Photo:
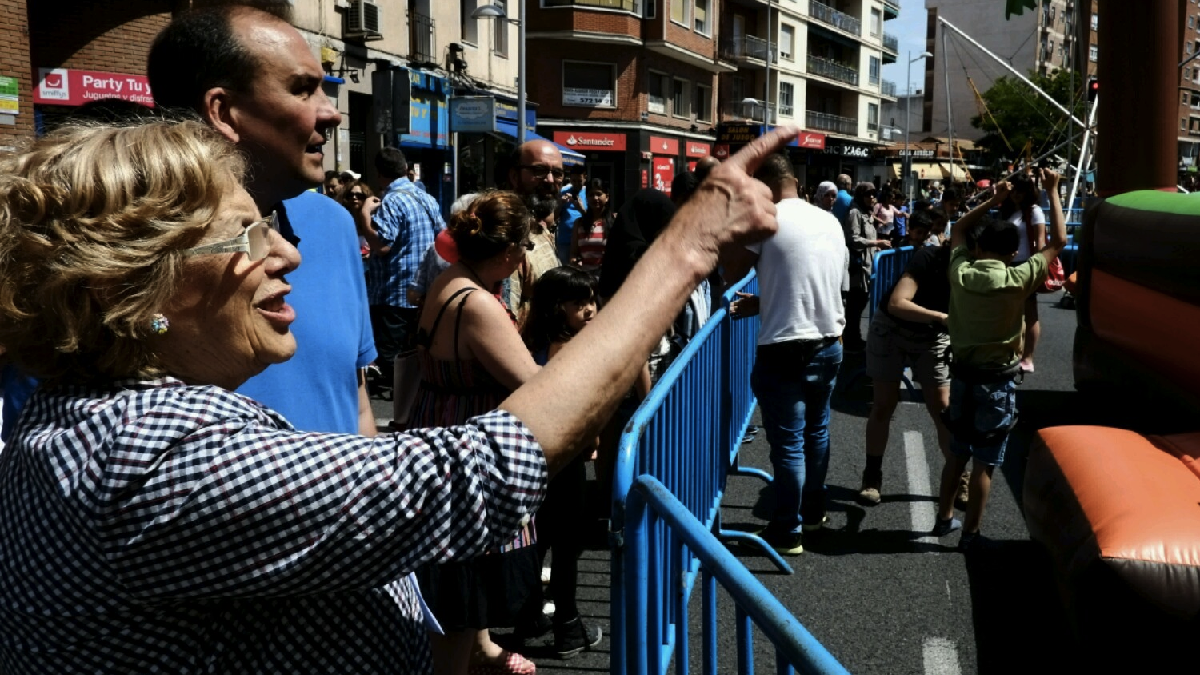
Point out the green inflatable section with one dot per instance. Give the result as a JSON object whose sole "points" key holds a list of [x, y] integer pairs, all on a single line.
{"points": [[1161, 202]]}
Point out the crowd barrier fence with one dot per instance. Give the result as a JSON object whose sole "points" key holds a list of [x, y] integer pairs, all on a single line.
{"points": [[650, 506], [686, 434]]}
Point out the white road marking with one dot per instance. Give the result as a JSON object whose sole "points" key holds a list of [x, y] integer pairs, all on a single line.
{"points": [[921, 511], [941, 656]]}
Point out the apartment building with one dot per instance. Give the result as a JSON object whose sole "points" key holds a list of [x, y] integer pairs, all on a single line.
{"points": [[816, 64], [1189, 90], [1038, 41]]}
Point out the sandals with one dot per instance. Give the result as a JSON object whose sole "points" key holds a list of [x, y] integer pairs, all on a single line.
{"points": [[514, 664]]}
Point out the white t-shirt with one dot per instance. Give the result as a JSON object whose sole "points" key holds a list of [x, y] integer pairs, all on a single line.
{"points": [[1039, 218], [801, 272]]}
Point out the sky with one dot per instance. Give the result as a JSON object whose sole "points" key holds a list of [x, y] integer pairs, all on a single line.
{"points": [[909, 28]]}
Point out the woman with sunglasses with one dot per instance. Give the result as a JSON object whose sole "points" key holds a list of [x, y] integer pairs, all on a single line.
{"points": [[352, 196], [156, 521]]}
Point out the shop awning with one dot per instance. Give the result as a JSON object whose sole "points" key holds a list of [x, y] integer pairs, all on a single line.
{"points": [[933, 171], [954, 172], [570, 157]]}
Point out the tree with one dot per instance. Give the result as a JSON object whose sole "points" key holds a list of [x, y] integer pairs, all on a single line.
{"points": [[1024, 116]]}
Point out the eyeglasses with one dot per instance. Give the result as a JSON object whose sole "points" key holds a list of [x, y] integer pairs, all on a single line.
{"points": [[254, 241], [357, 195], [541, 171]]}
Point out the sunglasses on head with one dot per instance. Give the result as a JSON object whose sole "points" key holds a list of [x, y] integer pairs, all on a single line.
{"points": [[254, 241]]}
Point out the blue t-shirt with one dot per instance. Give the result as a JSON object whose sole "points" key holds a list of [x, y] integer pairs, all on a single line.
{"points": [[17, 389], [317, 390], [566, 221], [842, 205]]}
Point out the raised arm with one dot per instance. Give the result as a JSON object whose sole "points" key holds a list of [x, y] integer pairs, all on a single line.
{"points": [[566, 403], [958, 233], [1058, 222]]}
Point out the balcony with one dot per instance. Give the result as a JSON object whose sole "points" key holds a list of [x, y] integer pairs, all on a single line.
{"points": [[831, 123], [752, 112], [631, 6], [891, 9], [420, 39], [748, 48], [832, 69], [888, 89], [830, 16], [891, 43]]}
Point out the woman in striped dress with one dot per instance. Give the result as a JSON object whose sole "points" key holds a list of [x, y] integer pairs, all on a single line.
{"points": [[588, 242]]}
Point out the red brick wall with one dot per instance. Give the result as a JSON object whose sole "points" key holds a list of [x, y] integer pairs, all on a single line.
{"points": [[14, 62], [109, 35], [633, 66], [578, 19]]}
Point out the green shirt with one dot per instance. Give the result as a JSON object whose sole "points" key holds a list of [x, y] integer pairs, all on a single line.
{"points": [[987, 307]]}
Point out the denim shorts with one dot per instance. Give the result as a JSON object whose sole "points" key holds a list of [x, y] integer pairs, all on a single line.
{"points": [[984, 436]]}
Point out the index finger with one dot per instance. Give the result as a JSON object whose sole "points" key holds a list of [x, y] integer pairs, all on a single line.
{"points": [[749, 157]]}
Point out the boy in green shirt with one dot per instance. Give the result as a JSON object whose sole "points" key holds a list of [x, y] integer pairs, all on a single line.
{"points": [[987, 330]]}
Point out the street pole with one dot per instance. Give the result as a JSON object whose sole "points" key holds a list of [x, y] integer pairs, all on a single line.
{"points": [[907, 163], [520, 72]]}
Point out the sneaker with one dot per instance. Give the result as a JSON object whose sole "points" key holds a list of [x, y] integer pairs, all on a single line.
{"points": [[942, 528], [964, 489], [971, 541], [869, 494], [815, 527], [784, 544], [575, 636]]}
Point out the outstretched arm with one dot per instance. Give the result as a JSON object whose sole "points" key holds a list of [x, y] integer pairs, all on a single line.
{"points": [[565, 404], [1058, 222]]}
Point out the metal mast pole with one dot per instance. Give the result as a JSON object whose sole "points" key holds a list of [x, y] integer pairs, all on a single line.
{"points": [[520, 72], [949, 114]]}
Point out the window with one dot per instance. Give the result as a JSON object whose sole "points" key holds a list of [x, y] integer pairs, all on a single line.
{"points": [[658, 93], [700, 16], [470, 27], [1187, 73], [787, 94], [874, 70], [1095, 20], [787, 38], [1189, 48], [872, 117], [703, 103], [589, 85], [680, 106], [500, 36], [1093, 53], [679, 11], [737, 88], [1191, 22], [1184, 98], [876, 23], [1182, 124]]}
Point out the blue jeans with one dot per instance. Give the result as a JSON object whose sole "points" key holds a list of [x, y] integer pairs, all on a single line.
{"points": [[982, 435], [793, 389]]}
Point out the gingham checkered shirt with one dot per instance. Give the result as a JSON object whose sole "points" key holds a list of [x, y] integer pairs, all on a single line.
{"points": [[159, 527], [408, 220]]}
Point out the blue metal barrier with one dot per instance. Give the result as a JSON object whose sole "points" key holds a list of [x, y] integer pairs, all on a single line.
{"points": [[651, 507], [887, 269], [686, 434]]}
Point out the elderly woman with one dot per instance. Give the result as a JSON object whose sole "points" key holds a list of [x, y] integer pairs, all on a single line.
{"points": [[156, 521], [864, 242]]}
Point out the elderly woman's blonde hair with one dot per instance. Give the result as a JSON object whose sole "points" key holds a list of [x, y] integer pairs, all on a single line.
{"points": [[93, 224]]}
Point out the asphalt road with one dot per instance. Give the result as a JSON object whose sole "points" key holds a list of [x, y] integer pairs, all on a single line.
{"points": [[881, 597]]}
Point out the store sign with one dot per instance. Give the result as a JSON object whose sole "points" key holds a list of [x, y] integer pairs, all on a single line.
{"points": [[808, 139], [424, 110], [589, 140], [695, 149], [664, 173], [473, 114], [63, 86], [857, 151], [721, 151], [738, 133], [664, 146], [10, 102], [914, 153], [592, 98]]}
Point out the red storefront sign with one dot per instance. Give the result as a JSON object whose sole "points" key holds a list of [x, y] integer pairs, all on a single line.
{"points": [[63, 86], [808, 139], [590, 140], [664, 173], [697, 149], [645, 179], [721, 151], [664, 146]]}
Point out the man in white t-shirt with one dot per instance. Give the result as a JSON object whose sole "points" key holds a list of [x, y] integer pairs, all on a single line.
{"points": [[802, 271]]}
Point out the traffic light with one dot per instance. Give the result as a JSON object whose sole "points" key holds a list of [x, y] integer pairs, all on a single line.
{"points": [[1093, 88]]}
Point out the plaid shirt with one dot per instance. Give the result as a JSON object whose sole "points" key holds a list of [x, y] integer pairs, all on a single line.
{"points": [[159, 527], [408, 220]]}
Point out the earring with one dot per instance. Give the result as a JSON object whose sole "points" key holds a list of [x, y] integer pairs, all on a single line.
{"points": [[159, 324]]}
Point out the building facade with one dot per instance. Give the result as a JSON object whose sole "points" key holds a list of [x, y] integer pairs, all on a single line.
{"points": [[1189, 93]]}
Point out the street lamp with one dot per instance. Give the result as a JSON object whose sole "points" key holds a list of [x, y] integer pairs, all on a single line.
{"points": [[498, 12], [907, 163]]}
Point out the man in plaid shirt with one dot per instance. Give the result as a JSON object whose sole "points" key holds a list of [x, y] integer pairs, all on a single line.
{"points": [[399, 233]]}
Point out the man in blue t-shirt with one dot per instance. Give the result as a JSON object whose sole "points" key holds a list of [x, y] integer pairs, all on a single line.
{"points": [[574, 207], [842, 205]]}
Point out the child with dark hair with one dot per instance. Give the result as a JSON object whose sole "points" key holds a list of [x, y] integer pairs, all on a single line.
{"points": [[590, 236], [987, 332], [564, 302]]}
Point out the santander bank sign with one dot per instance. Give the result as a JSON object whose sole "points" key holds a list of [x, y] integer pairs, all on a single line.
{"points": [[588, 140]]}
